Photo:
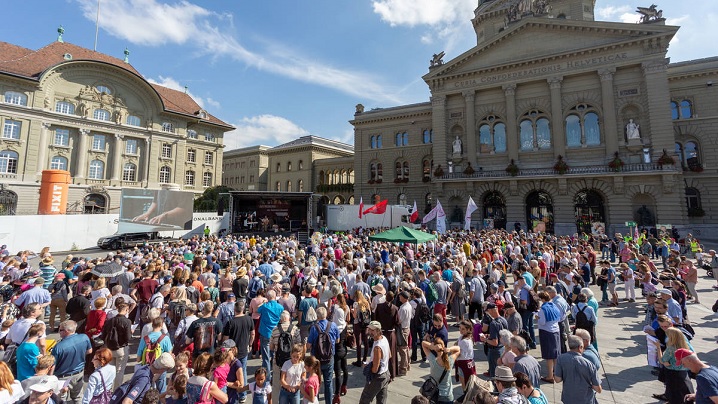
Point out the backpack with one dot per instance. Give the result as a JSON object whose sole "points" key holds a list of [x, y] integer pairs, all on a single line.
{"points": [[112, 340], [583, 323], [364, 317], [392, 286], [323, 344], [423, 313], [533, 304], [192, 294], [145, 312], [460, 290], [284, 346], [152, 350], [255, 285], [177, 312], [432, 294]]}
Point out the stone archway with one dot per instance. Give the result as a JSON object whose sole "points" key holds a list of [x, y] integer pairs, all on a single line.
{"points": [[590, 211], [539, 211], [95, 203], [494, 210], [643, 206]]}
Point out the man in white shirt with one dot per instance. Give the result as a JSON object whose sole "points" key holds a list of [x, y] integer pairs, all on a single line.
{"points": [[406, 313]]}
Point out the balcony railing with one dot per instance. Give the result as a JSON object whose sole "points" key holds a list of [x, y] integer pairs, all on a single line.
{"points": [[582, 170]]}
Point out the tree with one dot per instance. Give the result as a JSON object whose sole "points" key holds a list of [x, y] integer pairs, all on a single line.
{"points": [[207, 202]]}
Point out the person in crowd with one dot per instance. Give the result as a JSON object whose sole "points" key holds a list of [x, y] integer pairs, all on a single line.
{"points": [[587, 318], [534, 395], [506, 386], [589, 351], [292, 372], [28, 352], [508, 358], [706, 377], [275, 346], [69, 356], [675, 377], [102, 379], [96, 318], [43, 392], [203, 332], [310, 385], [376, 387], [180, 342], [269, 313], [524, 362], [37, 294], [465, 362], [146, 379], [257, 301], [341, 316], [527, 316], [579, 376], [326, 355], [549, 316], [43, 370], [441, 360], [442, 290], [59, 295], [200, 388], [490, 337], [361, 314], [405, 315], [10, 388]]}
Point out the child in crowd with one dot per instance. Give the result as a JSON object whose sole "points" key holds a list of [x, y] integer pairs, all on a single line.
{"points": [[310, 385], [465, 363], [222, 358], [260, 388], [292, 374]]}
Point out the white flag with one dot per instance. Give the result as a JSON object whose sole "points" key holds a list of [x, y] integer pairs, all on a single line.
{"points": [[470, 208], [430, 216], [440, 218]]}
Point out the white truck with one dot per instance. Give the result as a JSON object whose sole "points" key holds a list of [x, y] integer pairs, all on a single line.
{"points": [[346, 217]]}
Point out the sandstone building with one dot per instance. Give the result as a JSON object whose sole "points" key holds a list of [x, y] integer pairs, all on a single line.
{"points": [[554, 121], [70, 108]]}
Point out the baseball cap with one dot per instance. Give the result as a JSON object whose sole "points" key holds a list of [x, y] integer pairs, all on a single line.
{"points": [[45, 384], [231, 295], [681, 354], [664, 291], [490, 306], [228, 344], [165, 362]]}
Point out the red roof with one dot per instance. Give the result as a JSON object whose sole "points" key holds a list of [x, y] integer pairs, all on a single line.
{"points": [[31, 64]]}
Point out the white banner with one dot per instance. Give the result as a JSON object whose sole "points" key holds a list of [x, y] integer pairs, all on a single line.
{"points": [[470, 208], [440, 218]]}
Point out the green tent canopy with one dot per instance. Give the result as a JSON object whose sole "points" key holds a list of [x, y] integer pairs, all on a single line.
{"points": [[403, 234]]}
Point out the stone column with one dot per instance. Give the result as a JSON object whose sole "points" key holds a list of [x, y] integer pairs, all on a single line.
{"points": [[557, 128], [609, 110], [144, 163], [438, 122], [117, 158], [469, 96], [42, 147], [81, 167], [656, 125], [512, 136]]}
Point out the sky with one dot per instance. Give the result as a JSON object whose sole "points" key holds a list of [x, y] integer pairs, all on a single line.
{"points": [[281, 69]]}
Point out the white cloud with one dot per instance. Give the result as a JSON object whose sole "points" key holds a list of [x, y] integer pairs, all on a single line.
{"points": [[447, 19], [151, 23], [613, 13], [214, 103], [270, 130]]}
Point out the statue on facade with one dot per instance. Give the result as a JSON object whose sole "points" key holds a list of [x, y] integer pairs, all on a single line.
{"points": [[437, 59], [632, 131], [359, 109], [456, 146], [541, 6], [645, 217], [649, 14]]}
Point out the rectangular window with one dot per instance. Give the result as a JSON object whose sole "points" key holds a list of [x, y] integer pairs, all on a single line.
{"points": [[251, 163], [168, 127], [191, 155], [12, 97], [11, 129], [101, 115], [241, 165], [133, 120], [189, 178], [64, 107], [131, 146], [98, 142], [207, 180], [62, 137], [241, 179], [166, 150], [208, 157], [209, 137], [251, 178]]}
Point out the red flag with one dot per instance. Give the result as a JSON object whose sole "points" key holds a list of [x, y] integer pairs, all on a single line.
{"points": [[378, 209], [361, 206], [414, 214]]}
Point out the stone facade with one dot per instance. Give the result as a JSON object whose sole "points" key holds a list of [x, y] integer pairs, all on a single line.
{"points": [[307, 164], [67, 107], [535, 123]]}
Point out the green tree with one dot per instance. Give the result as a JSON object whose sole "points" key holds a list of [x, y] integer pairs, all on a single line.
{"points": [[207, 202]]}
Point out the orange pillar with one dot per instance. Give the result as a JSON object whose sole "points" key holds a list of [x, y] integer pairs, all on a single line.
{"points": [[53, 192]]}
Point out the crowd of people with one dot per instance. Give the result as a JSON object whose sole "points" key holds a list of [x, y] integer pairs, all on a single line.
{"points": [[198, 310]]}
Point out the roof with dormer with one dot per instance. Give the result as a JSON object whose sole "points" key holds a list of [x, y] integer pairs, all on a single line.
{"points": [[32, 64]]}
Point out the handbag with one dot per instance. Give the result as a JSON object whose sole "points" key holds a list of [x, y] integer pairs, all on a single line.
{"points": [[105, 396], [204, 397], [430, 388]]}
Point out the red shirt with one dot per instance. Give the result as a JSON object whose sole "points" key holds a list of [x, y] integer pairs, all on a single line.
{"points": [[146, 288], [96, 320]]}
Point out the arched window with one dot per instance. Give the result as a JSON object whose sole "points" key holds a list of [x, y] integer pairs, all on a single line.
{"points": [[426, 170], [401, 199], [103, 89], [372, 141], [675, 114], [350, 201], [686, 109], [692, 158], [300, 186], [97, 170], [134, 120], [351, 177], [492, 135], [398, 139], [321, 177], [535, 131], [279, 167], [64, 107], [375, 171], [289, 166], [165, 175], [301, 165], [494, 210], [129, 172], [101, 115], [279, 186], [582, 127], [402, 170], [58, 163], [168, 127], [693, 201], [336, 177], [95, 204], [338, 200], [13, 97], [191, 134], [539, 212], [428, 136], [289, 186], [378, 142], [589, 210]]}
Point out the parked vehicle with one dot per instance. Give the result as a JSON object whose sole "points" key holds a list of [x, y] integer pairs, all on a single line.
{"points": [[127, 240], [346, 217]]}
